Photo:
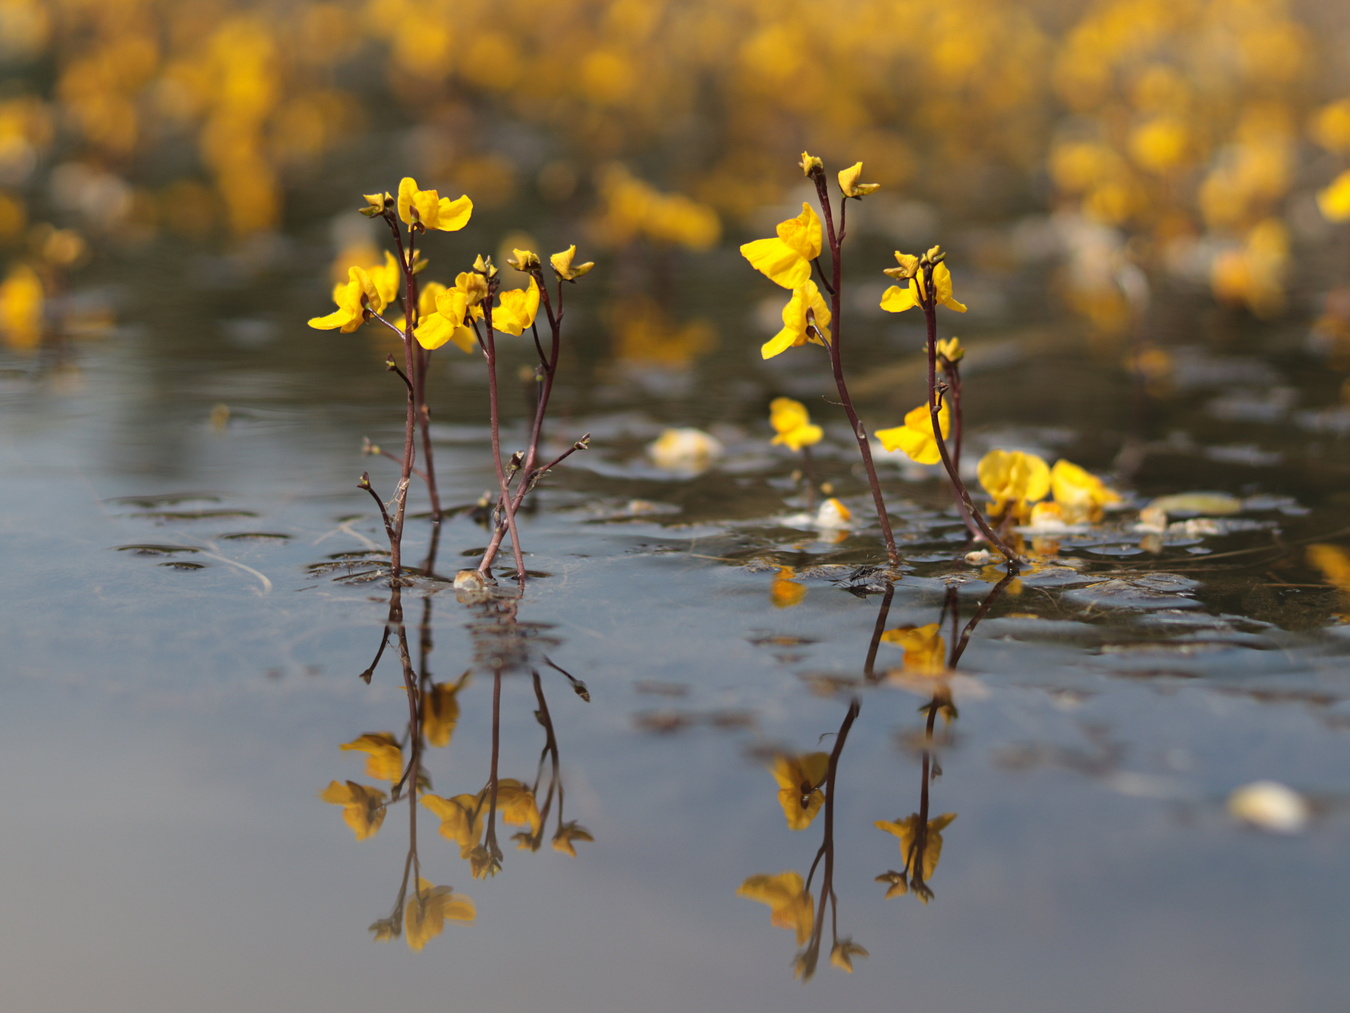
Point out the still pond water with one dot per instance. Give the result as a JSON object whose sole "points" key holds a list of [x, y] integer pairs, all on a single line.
{"points": [[185, 629]]}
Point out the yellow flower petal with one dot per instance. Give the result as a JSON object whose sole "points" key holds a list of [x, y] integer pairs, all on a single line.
{"points": [[915, 437]]}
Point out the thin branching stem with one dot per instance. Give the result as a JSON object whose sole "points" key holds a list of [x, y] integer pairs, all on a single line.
{"points": [[835, 286], [928, 300]]}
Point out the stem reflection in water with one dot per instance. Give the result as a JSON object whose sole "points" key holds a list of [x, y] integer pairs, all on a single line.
{"points": [[808, 786], [502, 646]]}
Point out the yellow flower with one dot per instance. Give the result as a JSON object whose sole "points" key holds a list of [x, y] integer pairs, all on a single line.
{"points": [[907, 266], [516, 309], [523, 260], [1331, 126], [805, 318], [786, 261], [791, 907], [376, 203], [567, 834], [915, 437], [951, 350], [792, 423], [1080, 494], [848, 182], [786, 592], [1335, 199], [362, 807], [426, 913], [387, 278], [896, 299], [1013, 479], [810, 164], [461, 819], [427, 209], [799, 779], [353, 297], [21, 308], [386, 756], [447, 323], [562, 264], [924, 647]]}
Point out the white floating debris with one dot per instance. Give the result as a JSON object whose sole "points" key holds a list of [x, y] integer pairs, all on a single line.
{"points": [[1270, 806], [689, 450], [979, 557]]}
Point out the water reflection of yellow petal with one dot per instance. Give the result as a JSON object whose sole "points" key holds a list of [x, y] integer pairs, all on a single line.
{"points": [[426, 913], [790, 905], [799, 779]]}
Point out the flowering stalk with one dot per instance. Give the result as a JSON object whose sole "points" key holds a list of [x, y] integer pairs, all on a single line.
{"points": [[421, 358], [505, 514], [928, 299], [815, 171], [525, 472]]}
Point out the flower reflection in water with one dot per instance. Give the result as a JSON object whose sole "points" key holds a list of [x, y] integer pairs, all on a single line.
{"points": [[808, 783], [502, 645]]}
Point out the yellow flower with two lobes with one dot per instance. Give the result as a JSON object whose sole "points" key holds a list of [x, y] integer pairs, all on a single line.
{"points": [[805, 318], [786, 260], [566, 270], [896, 299], [1013, 479], [915, 437], [354, 297], [427, 209], [849, 185], [454, 307], [792, 423], [516, 309]]}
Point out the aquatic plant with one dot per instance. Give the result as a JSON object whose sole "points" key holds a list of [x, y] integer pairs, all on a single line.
{"points": [[464, 315]]}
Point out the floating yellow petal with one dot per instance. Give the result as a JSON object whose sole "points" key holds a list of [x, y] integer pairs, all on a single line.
{"points": [[1013, 478], [1080, 494]]}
